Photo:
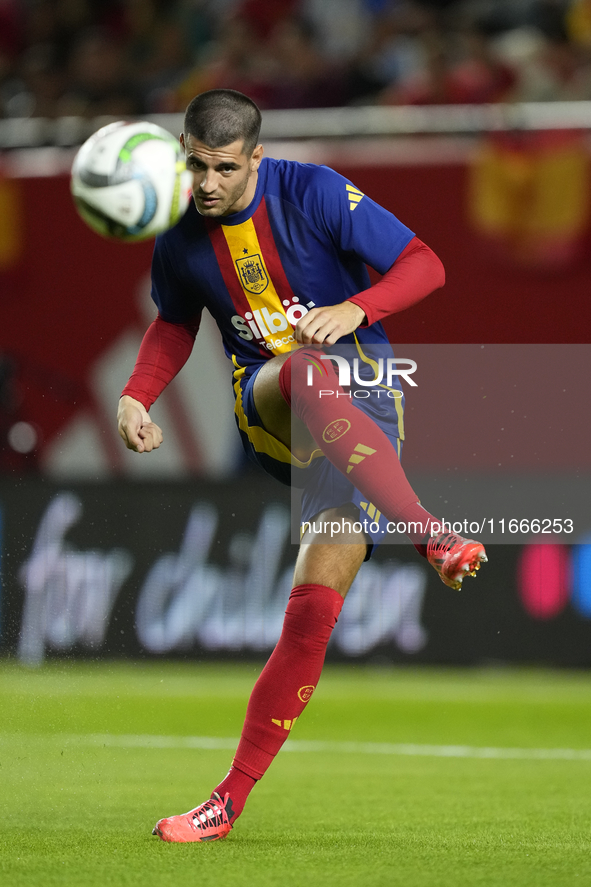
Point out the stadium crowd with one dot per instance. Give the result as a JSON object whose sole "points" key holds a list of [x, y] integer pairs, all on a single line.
{"points": [[128, 57]]}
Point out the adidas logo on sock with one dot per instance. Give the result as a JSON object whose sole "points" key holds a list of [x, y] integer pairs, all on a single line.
{"points": [[358, 455], [287, 725]]}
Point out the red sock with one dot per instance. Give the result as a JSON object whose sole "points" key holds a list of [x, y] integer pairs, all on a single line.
{"points": [[284, 687], [361, 451]]}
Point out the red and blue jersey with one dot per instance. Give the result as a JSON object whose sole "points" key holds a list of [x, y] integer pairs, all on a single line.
{"points": [[303, 242]]}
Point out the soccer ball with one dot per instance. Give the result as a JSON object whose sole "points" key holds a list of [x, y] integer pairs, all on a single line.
{"points": [[129, 181]]}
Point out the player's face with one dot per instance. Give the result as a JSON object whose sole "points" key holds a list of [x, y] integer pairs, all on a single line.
{"points": [[224, 179]]}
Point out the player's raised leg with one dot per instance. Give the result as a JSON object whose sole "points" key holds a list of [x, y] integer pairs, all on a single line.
{"points": [[291, 410], [323, 575]]}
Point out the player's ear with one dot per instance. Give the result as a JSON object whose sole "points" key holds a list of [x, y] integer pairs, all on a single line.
{"points": [[182, 140], [256, 157]]}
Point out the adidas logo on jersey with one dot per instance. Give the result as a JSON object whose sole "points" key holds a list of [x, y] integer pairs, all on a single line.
{"points": [[355, 196]]}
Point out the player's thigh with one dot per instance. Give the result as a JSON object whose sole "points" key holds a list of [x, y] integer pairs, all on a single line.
{"points": [[275, 414], [330, 551]]}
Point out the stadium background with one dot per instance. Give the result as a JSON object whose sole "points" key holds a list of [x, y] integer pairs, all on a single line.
{"points": [[505, 206], [448, 740]]}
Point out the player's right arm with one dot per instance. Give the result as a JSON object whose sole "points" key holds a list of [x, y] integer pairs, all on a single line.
{"points": [[164, 351], [136, 428]]}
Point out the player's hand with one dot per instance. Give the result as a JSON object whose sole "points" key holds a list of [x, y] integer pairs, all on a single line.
{"points": [[325, 326], [136, 428]]}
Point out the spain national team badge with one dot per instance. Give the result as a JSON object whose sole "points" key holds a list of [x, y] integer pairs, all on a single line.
{"points": [[252, 274], [304, 693]]}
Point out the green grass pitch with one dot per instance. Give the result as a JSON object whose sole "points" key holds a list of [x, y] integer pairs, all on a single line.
{"points": [[78, 810]]}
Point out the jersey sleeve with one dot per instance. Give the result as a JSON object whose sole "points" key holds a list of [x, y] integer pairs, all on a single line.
{"points": [[356, 223], [177, 302], [416, 273], [165, 349]]}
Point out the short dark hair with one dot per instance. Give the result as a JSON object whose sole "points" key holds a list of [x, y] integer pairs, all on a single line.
{"points": [[222, 116]]}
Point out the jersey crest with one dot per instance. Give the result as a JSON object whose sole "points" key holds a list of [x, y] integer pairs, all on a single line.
{"points": [[252, 274]]}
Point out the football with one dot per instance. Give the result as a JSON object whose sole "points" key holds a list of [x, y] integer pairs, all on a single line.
{"points": [[129, 181]]}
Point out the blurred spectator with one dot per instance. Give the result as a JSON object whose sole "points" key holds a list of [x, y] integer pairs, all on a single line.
{"points": [[11, 36], [578, 22], [344, 26], [557, 71], [393, 52], [11, 44], [264, 15], [37, 87], [304, 77], [481, 76], [432, 84], [476, 75], [158, 53], [236, 60], [100, 78]]}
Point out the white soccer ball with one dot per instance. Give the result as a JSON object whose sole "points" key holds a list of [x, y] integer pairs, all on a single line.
{"points": [[129, 181]]}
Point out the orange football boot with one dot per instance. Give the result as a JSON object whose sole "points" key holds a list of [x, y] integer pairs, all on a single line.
{"points": [[455, 557], [208, 822]]}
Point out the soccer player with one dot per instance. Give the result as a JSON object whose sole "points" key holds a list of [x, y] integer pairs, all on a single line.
{"points": [[276, 252]]}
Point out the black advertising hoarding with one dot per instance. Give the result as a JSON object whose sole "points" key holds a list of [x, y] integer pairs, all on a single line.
{"points": [[200, 569]]}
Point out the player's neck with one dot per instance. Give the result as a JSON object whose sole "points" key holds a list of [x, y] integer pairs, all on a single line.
{"points": [[246, 199]]}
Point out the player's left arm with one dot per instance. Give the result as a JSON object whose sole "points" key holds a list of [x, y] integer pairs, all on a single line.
{"points": [[359, 227], [416, 272], [327, 325]]}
